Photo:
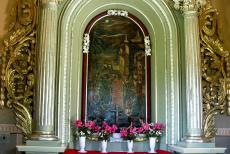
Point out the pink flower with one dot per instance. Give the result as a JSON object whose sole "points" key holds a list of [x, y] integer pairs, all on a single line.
{"points": [[124, 132], [140, 130], [90, 124], [108, 129], [104, 124], [97, 129], [158, 126], [78, 123], [145, 126], [133, 130], [114, 128]]}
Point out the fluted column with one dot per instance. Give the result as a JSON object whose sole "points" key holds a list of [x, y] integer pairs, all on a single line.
{"points": [[46, 70], [193, 76], [193, 69]]}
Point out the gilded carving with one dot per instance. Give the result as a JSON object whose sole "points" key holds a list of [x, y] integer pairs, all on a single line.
{"points": [[86, 42], [147, 46], [215, 82], [117, 13], [188, 5], [18, 68]]}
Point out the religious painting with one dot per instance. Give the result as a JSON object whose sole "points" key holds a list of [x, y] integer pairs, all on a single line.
{"points": [[116, 72]]}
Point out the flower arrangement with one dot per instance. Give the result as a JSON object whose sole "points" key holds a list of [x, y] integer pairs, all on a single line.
{"points": [[106, 131], [84, 129], [152, 129], [129, 133]]}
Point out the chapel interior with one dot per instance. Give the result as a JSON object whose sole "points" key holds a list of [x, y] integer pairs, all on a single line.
{"points": [[117, 61]]}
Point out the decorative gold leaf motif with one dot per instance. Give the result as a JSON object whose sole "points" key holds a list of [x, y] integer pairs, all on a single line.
{"points": [[214, 73], [18, 68]]}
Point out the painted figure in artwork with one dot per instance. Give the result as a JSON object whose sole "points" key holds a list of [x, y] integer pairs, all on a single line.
{"points": [[116, 89]]}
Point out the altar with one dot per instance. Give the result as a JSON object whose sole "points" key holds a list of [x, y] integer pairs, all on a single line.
{"points": [[116, 146], [70, 151], [124, 63]]}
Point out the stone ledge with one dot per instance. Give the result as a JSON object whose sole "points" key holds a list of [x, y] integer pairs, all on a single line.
{"points": [[30, 148], [180, 149]]}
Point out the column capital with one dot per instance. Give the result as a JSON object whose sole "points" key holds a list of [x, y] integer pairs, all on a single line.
{"points": [[47, 2], [188, 5]]}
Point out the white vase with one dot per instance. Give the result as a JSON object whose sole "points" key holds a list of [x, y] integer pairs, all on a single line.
{"points": [[104, 146], [152, 144], [82, 144], [130, 146]]}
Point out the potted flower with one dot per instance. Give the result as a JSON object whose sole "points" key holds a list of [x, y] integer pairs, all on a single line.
{"points": [[95, 133], [83, 130], [140, 135], [105, 133], [129, 134], [152, 131]]}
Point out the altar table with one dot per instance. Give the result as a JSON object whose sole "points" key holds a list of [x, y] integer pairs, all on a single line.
{"points": [[73, 151]]}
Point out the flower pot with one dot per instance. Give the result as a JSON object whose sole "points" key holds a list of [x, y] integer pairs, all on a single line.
{"points": [[104, 146], [82, 144], [141, 138], [93, 137], [130, 146], [152, 144]]}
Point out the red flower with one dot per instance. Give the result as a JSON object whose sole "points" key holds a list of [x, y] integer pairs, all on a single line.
{"points": [[78, 123], [97, 129], [114, 128], [158, 126], [129, 133], [145, 126], [124, 132], [104, 124], [133, 130], [140, 130], [108, 129], [90, 124]]}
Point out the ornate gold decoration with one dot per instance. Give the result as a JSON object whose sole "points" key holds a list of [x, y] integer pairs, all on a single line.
{"points": [[18, 68], [214, 59], [188, 5]]}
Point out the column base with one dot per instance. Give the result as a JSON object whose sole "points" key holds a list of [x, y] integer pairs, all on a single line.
{"points": [[43, 137], [196, 139]]}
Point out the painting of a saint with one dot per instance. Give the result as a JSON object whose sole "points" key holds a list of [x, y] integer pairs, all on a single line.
{"points": [[116, 83]]}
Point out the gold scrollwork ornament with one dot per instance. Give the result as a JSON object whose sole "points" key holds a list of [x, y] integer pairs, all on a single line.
{"points": [[214, 72], [18, 66]]}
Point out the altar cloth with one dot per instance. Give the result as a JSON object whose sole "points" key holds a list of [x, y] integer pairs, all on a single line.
{"points": [[73, 151]]}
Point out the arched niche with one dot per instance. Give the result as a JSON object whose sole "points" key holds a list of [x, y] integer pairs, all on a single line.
{"points": [[165, 77]]}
